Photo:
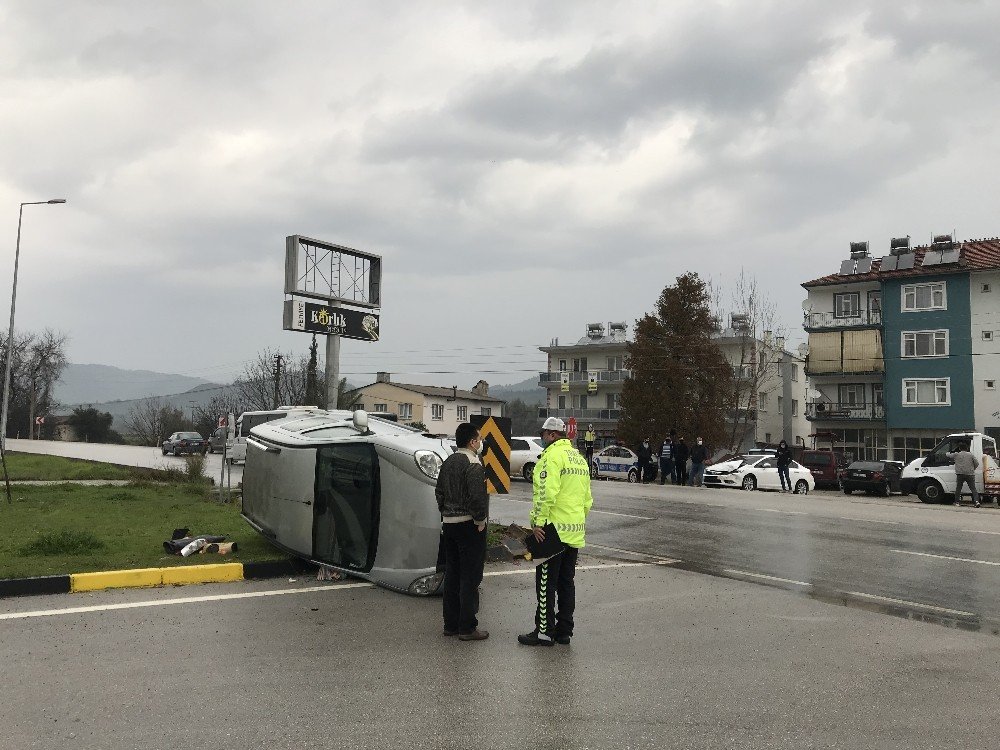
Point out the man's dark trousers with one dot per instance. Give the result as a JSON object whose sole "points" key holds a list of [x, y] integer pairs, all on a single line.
{"points": [[465, 553], [555, 578], [666, 470]]}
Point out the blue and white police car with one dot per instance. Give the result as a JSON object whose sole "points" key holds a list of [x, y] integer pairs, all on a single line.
{"points": [[618, 462]]}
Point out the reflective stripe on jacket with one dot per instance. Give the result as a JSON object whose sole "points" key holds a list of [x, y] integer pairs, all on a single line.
{"points": [[561, 492]]}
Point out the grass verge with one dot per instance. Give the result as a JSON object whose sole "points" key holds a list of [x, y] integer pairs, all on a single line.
{"points": [[21, 466], [78, 529]]}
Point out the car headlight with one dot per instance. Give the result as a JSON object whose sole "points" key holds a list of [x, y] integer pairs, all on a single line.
{"points": [[426, 585], [429, 463]]}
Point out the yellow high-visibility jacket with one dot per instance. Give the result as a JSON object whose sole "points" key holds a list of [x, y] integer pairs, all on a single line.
{"points": [[561, 492]]}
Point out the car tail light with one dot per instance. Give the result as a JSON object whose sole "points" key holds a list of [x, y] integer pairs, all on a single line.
{"points": [[878, 476]]}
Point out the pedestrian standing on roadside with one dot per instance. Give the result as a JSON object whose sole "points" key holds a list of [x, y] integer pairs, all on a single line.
{"points": [[667, 461], [589, 438], [560, 502], [699, 455], [783, 457], [645, 454], [681, 454], [464, 506], [965, 473]]}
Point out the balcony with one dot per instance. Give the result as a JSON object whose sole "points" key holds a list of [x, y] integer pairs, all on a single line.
{"points": [[608, 415], [827, 411], [603, 376], [819, 321]]}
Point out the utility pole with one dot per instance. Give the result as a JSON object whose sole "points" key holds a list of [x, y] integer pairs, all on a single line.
{"points": [[277, 379], [332, 370]]}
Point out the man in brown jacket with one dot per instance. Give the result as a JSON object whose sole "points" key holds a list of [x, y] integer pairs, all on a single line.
{"points": [[464, 505]]}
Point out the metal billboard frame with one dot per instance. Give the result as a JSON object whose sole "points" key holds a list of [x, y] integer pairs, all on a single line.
{"points": [[333, 273]]}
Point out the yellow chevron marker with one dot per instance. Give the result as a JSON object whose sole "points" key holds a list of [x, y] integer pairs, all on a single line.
{"points": [[495, 432]]}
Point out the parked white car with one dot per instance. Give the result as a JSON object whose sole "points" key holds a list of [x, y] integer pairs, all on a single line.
{"points": [[758, 472], [524, 454]]}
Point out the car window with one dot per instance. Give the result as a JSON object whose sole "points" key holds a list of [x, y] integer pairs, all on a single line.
{"points": [[189, 435], [518, 445], [767, 463], [867, 466], [794, 465]]}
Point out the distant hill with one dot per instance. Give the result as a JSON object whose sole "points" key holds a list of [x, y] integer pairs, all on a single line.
{"points": [[119, 409], [93, 384], [527, 390]]}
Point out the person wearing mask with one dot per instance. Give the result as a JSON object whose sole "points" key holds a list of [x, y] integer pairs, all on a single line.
{"points": [[965, 473], [667, 461], [681, 454], [699, 455], [783, 458], [560, 502], [589, 438], [645, 454], [464, 505]]}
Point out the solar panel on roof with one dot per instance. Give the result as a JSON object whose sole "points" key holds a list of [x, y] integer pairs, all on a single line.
{"points": [[932, 258], [864, 265], [846, 267], [888, 263], [951, 256], [904, 261]]}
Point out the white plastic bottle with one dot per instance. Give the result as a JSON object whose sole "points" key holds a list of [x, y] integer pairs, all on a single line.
{"points": [[193, 547]]}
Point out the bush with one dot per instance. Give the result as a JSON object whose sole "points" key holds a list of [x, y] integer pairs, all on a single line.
{"points": [[63, 543], [194, 467]]}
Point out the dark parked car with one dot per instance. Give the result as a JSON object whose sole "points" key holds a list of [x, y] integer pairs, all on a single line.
{"points": [[874, 477], [217, 440], [185, 442], [824, 465]]}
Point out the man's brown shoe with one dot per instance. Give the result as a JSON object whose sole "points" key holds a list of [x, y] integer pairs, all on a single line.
{"points": [[475, 635]]}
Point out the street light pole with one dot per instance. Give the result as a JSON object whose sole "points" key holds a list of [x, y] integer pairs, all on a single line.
{"points": [[10, 332]]}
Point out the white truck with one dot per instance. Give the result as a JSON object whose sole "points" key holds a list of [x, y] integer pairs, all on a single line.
{"points": [[932, 477]]}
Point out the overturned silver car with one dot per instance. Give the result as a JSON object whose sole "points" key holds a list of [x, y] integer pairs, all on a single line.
{"points": [[354, 493]]}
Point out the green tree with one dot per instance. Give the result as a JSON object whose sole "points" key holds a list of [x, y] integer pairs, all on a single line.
{"points": [[680, 378], [523, 418], [312, 379], [91, 425]]}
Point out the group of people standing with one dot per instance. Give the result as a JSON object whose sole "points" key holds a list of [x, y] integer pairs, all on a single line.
{"points": [[673, 456]]}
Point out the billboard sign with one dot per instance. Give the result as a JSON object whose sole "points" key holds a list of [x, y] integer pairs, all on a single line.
{"points": [[311, 317]]}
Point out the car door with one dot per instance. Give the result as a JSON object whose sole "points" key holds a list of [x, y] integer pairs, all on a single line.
{"points": [[767, 474], [626, 460], [797, 471]]}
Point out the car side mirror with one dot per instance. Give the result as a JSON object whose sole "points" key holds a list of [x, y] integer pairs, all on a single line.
{"points": [[360, 421]]}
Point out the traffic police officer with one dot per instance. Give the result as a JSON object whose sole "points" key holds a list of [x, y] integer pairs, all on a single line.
{"points": [[561, 500]]}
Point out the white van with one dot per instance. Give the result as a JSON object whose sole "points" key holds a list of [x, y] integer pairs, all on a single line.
{"points": [[932, 476], [236, 446]]}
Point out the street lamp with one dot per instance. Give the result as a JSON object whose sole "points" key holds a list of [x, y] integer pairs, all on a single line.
{"points": [[10, 332]]}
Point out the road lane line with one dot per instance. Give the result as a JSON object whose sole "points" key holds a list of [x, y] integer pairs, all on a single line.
{"points": [[867, 520], [904, 602], [948, 557], [661, 558], [765, 577], [980, 531], [605, 512], [182, 600], [779, 510]]}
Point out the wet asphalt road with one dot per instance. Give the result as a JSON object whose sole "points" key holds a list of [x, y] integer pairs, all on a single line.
{"points": [[896, 554]]}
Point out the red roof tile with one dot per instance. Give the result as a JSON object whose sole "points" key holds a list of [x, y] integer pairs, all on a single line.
{"points": [[976, 255]]}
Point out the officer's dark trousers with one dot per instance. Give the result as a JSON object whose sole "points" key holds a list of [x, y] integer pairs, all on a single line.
{"points": [[465, 553], [666, 470], [554, 579]]}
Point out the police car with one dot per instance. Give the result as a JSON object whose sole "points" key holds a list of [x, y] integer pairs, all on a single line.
{"points": [[618, 462]]}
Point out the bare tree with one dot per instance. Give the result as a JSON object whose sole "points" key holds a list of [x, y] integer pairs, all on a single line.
{"points": [[754, 356], [206, 417], [256, 387], [151, 420], [37, 362]]}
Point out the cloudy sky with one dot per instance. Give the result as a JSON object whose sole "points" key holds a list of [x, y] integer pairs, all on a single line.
{"points": [[522, 167]]}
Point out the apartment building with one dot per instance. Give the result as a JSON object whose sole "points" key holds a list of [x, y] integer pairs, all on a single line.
{"points": [[902, 348], [440, 409]]}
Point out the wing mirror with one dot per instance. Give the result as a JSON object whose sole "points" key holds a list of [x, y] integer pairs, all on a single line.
{"points": [[360, 420]]}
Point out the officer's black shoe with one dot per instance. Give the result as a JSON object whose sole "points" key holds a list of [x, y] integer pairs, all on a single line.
{"points": [[534, 638], [563, 640]]}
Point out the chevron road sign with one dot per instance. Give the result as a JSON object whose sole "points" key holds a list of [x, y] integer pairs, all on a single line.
{"points": [[495, 432]]}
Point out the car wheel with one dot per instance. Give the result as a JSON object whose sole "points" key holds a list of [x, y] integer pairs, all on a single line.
{"points": [[177, 452], [528, 471], [633, 476], [164, 451], [750, 482], [930, 491], [884, 492], [847, 491], [802, 487]]}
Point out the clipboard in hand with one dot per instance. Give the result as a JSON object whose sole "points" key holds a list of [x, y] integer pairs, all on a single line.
{"points": [[548, 547]]}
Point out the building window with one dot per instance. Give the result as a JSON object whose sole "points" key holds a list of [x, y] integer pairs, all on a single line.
{"points": [[795, 407], [925, 343], [851, 394], [767, 437], [406, 411], [485, 411], [985, 288], [580, 365], [562, 365], [616, 363], [381, 407], [781, 405], [562, 402], [991, 385], [463, 413], [437, 411], [987, 335], [878, 394], [918, 297], [795, 373], [846, 305], [762, 401], [875, 303], [927, 392], [583, 402], [613, 400]]}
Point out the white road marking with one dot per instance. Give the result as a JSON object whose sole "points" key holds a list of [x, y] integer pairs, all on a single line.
{"points": [[605, 512], [257, 594], [778, 510], [182, 600], [765, 577], [664, 560], [980, 531], [947, 557], [867, 520], [910, 604]]}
